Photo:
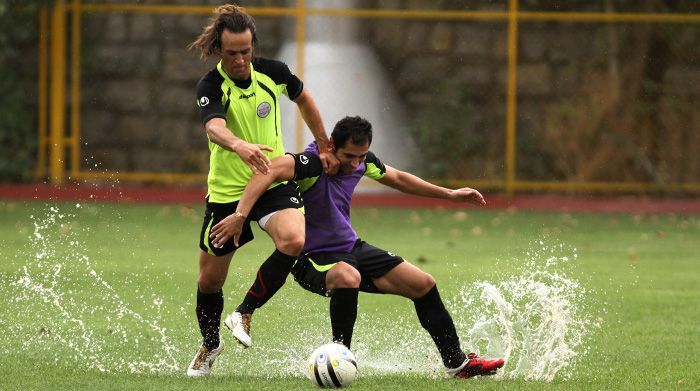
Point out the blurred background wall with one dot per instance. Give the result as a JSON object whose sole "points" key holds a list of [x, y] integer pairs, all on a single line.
{"points": [[510, 95]]}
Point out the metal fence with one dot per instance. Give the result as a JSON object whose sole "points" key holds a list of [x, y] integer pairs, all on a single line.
{"points": [[59, 129]]}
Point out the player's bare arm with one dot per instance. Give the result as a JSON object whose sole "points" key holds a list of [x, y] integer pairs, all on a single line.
{"points": [[251, 154], [312, 117], [411, 184], [281, 169]]}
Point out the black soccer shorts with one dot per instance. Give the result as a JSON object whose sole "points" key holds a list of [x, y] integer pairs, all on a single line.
{"points": [[310, 270], [280, 197]]}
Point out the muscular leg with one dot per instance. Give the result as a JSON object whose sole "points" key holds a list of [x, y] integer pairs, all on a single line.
{"points": [[210, 297], [405, 280], [343, 282], [342, 275], [409, 281], [287, 230]]}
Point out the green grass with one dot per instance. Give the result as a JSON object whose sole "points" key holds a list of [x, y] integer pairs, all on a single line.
{"points": [[103, 281]]}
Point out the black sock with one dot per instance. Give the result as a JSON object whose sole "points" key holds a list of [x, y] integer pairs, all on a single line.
{"points": [[271, 276], [343, 314], [437, 321], [209, 308]]}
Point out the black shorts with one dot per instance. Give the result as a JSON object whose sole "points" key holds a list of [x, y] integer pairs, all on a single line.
{"points": [[310, 270], [280, 197]]}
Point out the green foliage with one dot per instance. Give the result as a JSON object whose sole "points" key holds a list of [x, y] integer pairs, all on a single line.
{"points": [[445, 132], [18, 90]]}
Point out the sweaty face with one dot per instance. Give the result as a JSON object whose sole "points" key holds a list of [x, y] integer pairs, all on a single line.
{"points": [[237, 53], [351, 156]]}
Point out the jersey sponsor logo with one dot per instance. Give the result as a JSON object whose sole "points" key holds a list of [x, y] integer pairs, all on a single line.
{"points": [[303, 159], [242, 96], [263, 109], [294, 200], [203, 101]]}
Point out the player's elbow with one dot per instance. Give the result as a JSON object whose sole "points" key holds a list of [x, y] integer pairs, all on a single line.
{"points": [[278, 174], [261, 180], [282, 169], [211, 135]]}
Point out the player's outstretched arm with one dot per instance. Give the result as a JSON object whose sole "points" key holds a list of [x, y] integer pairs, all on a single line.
{"points": [[411, 184], [281, 169]]}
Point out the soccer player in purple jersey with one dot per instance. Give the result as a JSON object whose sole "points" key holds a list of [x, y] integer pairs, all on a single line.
{"points": [[337, 263]]}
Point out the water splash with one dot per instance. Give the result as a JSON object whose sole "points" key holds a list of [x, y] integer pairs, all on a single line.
{"points": [[539, 320], [539, 317], [401, 346], [69, 311]]}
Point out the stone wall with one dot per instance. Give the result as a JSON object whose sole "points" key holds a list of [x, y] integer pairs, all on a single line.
{"points": [[587, 93], [581, 89], [138, 83]]}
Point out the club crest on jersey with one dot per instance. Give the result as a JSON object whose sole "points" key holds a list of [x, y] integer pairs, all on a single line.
{"points": [[203, 101], [263, 109], [303, 159]]}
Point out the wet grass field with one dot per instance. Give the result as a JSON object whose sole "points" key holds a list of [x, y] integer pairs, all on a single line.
{"points": [[101, 295]]}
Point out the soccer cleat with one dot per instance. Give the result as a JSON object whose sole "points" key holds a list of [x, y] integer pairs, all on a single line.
{"points": [[203, 361], [239, 324], [475, 366]]}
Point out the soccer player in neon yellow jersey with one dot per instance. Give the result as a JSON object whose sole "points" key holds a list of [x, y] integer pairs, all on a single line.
{"points": [[239, 102], [337, 263]]}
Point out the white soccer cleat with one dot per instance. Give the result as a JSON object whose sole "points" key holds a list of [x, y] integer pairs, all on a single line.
{"points": [[239, 324], [203, 361]]}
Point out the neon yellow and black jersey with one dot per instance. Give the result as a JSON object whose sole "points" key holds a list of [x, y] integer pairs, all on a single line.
{"points": [[251, 109]]}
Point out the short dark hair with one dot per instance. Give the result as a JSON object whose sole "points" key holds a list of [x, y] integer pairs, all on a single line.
{"points": [[356, 129], [230, 17]]}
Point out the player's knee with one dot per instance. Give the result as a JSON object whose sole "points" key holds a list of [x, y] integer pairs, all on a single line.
{"points": [[345, 276], [292, 243], [210, 284], [424, 284], [349, 279]]}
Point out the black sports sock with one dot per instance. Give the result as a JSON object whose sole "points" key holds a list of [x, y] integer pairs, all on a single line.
{"points": [[209, 308], [271, 276], [437, 321], [343, 309]]}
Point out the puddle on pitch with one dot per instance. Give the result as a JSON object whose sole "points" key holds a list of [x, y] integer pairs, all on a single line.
{"points": [[67, 312], [539, 318]]}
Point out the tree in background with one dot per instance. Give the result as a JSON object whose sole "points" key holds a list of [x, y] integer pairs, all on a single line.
{"points": [[630, 121], [18, 89]]}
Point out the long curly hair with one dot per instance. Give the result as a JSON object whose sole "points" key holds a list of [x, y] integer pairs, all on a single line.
{"points": [[229, 16]]}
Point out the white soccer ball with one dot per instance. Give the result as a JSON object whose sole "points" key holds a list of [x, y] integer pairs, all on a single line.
{"points": [[332, 365]]}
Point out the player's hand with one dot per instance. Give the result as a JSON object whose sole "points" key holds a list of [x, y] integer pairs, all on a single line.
{"points": [[231, 226], [467, 194], [330, 162], [252, 155]]}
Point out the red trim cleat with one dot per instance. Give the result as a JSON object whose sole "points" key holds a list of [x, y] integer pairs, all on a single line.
{"points": [[475, 366]]}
